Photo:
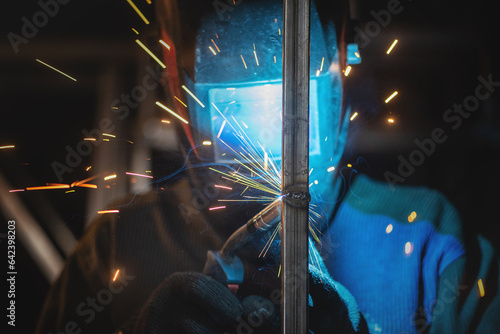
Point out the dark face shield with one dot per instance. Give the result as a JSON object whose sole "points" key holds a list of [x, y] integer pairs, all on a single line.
{"points": [[237, 80]]}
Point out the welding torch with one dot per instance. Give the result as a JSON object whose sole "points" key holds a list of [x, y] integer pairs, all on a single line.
{"points": [[224, 265]]}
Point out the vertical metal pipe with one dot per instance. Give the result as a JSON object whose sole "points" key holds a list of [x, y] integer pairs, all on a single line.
{"points": [[295, 166]]}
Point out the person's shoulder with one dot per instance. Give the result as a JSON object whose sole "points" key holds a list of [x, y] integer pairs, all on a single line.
{"points": [[404, 203]]}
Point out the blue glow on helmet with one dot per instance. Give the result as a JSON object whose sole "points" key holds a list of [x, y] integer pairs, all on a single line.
{"points": [[238, 76]]}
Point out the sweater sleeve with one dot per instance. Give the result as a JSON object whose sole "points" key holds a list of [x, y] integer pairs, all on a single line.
{"points": [[468, 300]]}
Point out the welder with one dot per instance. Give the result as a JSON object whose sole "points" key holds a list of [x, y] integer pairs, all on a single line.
{"points": [[384, 259]]}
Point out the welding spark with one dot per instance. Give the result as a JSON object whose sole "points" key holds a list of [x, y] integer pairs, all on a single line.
{"points": [[481, 287], [116, 275], [165, 44], [215, 45], [81, 183], [388, 229], [175, 97], [85, 185], [109, 177], [15, 190], [392, 46], [408, 248], [135, 31], [212, 49], [55, 69], [243, 61], [207, 143], [330, 169], [347, 70], [89, 139], [412, 217], [390, 120], [222, 187], [257, 171], [107, 211], [150, 53], [170, 111], [6, 146], [221, 128], [193, 96], [354, 116], [165, 121], [62, 186], [109, 135], [216, 208], [141, 175], [256, 59], [138, 11], [390, 97]]}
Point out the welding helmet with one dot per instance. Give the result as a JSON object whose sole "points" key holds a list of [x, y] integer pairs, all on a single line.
{"points": [[233, 82]]}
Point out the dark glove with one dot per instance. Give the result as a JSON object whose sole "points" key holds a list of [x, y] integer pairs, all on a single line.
{"points": [[332, 308], [196, 303], [189, 303]]}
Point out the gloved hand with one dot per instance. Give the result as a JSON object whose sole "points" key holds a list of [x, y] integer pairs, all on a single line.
{"points": [[196, 303], [189, 303], [332, 308]]}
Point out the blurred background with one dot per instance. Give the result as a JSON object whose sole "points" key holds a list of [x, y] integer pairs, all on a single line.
{"points": [[442, 48]]}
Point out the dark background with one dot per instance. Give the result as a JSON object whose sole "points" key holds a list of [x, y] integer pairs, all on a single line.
{"points": [[443, 47]]}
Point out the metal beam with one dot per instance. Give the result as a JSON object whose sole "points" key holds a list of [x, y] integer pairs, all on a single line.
{"points": [[30, 234], [295, 167]]}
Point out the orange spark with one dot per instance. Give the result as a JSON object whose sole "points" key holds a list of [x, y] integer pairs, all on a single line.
{"points": [[216, 46], [63, 186], [107, 211], [243, 61]]}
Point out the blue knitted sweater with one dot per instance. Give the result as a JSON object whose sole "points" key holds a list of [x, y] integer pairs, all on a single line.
{"points": [[400, 252]]}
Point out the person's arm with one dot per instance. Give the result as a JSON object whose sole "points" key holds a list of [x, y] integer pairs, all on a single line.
{"points": [[468, 300], [72, 304]]}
